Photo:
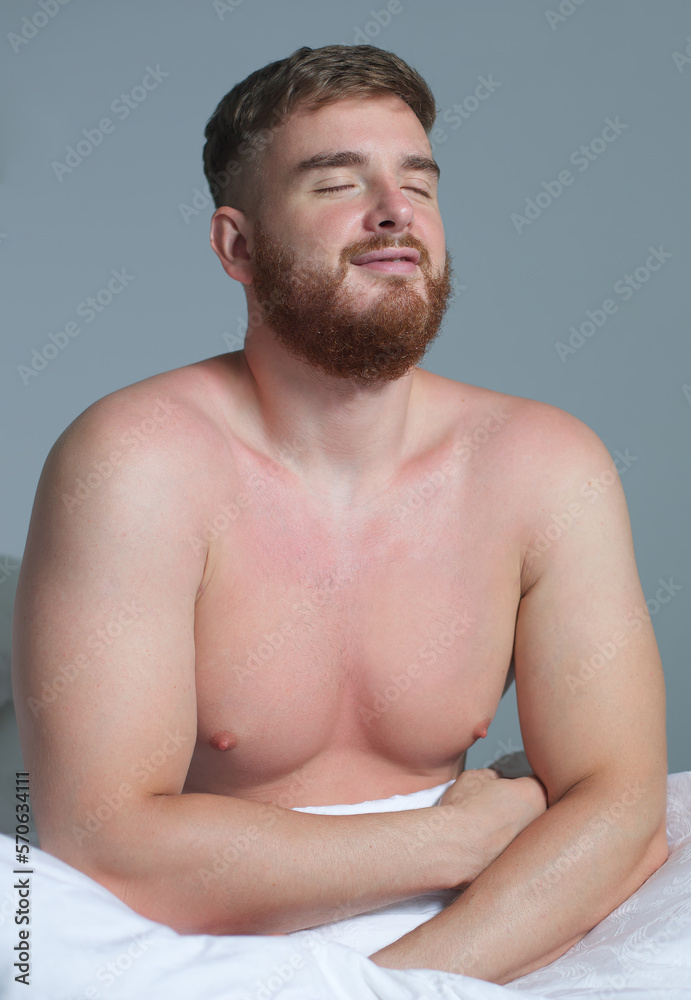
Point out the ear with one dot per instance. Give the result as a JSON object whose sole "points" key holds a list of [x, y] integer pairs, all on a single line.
{"points": [[229, 237]]}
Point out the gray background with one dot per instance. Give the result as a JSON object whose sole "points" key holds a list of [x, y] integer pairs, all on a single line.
{"points": [[517, 294]]}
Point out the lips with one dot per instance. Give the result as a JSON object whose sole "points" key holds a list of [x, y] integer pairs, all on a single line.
{"points": [[391, 253]]}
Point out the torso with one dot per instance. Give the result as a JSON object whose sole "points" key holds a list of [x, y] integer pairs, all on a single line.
{"points": [[351, 654]]}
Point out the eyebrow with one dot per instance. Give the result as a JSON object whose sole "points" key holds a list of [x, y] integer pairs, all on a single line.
{"points": [[353, 158]]}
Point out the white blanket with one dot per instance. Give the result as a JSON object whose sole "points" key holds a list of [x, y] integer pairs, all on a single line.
{"points": [[85, 943]]}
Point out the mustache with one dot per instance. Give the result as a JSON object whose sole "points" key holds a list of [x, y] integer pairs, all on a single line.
{"points": [[384, 242]]}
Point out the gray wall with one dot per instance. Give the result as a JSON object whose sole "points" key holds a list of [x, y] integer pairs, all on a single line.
{"points": [[523, 287]]}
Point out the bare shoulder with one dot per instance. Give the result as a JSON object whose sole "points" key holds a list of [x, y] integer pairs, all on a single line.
{"points": [[558, 449], [162, 421], [530, 429], [559, 467], [543, 439], [536, 461]]}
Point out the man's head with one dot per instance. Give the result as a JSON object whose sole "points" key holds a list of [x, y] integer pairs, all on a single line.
{"points": [[354, 118]]}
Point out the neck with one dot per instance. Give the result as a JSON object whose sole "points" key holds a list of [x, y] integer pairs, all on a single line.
{"points": [[341, 437]]}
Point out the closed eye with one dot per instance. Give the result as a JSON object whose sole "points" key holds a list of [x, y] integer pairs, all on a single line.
{"points": [[342, 187]]}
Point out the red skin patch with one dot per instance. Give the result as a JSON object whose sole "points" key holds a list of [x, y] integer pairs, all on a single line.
{"points": [[225, 740]]}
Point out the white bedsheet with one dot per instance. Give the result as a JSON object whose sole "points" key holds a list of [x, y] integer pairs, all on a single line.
{"points": [[87, 944]]}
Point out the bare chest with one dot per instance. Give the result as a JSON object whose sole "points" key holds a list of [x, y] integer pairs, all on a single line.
{"points": [[359, 650]]}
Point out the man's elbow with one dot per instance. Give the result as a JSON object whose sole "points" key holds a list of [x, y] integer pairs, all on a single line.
{"points": [[657, 852]]}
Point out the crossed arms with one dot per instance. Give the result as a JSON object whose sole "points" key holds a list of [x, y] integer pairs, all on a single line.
{"points": [[594, 734]]}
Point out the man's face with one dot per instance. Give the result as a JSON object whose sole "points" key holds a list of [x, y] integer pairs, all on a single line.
{"points": [[363, 323]]}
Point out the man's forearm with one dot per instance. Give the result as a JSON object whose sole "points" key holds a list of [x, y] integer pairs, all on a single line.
{"points": [[215, 864], [563, 874]]}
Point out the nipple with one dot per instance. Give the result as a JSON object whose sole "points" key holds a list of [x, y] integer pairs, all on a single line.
{"points": [[481, 731], [225, 740]]}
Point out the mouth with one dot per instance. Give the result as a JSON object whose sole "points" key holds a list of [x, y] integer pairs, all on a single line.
{"points": [[394, 260]]}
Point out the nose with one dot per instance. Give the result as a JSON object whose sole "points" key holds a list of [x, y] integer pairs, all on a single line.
{"points": [[390, 210]]}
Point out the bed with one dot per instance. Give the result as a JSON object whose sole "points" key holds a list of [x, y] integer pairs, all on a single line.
{"points": [[85, 943]]}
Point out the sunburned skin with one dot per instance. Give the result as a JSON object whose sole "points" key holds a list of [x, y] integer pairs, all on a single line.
{"points": [[391, 629], [351, 649]]}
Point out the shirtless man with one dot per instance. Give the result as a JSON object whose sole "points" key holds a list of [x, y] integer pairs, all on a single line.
{"points": [[300, 573]]}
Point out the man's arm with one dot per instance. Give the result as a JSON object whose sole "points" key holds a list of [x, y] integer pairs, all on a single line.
{"points": [[591, 703], [104, 687]]}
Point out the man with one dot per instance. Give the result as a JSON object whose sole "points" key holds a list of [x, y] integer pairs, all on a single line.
{"points": [[299, 574]]}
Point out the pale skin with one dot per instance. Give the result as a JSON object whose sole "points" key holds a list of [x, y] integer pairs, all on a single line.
{"points": [[251, 669]]}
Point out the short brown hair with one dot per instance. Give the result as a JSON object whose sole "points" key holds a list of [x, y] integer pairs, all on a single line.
{"points": [[242, 124]]}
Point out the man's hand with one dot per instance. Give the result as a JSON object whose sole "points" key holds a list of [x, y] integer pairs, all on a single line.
{"points": [[494, 811]]}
